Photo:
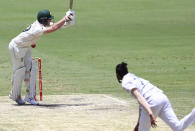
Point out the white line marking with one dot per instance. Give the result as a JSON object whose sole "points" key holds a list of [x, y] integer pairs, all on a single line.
{"points": [[116, 99]]}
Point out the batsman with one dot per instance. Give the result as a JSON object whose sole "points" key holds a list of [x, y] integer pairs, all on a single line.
{"points": [[24, 68]]}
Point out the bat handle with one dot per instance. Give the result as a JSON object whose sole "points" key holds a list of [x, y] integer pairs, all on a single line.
{"points": [[71, 4]]}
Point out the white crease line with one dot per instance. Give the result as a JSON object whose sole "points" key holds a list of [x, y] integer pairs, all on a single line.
{"points": [[116, 99]]}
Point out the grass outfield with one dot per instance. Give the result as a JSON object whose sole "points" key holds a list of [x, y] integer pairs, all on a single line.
{"points": [[156, 38]]}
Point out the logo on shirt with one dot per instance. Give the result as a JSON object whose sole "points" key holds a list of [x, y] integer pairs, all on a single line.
{"points": [[27, 29]]}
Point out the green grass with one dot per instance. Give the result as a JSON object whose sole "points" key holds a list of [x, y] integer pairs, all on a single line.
{"points": [[156, 38]]}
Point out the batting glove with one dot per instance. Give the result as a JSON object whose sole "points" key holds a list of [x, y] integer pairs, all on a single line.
{"points": [[70, 15]]}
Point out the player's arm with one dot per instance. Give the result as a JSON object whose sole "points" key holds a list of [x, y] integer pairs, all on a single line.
{"points": [[68, 18], [55, 26], [144, 103]]}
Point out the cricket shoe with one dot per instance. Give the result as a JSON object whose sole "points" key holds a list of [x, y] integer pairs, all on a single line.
{"points": [[31, 101], [20, 102]]}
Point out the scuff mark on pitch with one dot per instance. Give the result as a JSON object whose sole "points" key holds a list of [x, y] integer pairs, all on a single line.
{"points": [[63, 105]]}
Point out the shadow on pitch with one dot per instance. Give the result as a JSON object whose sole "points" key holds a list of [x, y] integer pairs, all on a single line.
{"points": [[56, 105]]}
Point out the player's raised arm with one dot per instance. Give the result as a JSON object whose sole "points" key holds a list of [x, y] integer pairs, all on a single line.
{"points": [[59, 24], [44, 17]]}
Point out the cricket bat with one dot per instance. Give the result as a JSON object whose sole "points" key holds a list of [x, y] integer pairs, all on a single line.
{"points": [[71, 4]]}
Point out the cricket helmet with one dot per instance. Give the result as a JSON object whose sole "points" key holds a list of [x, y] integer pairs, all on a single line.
{"points": [[43, 16]]}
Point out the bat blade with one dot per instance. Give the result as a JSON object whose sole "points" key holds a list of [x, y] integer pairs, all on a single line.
{"points": [[71, 4]]}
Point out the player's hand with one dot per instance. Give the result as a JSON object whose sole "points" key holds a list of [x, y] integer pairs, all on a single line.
{"points": [[70, 15], [68, 18], [136, 127], [153, 121], [70, 12]]}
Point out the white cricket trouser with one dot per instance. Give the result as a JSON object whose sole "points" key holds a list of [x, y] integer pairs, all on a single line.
{"points": [[22, 63], [161, 107]]}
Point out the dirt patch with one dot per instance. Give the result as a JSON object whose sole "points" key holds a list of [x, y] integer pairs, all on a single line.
{"points": [[72, 113]]}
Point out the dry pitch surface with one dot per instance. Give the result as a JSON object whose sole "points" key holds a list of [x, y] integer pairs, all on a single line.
{"points": [[72, 113]]}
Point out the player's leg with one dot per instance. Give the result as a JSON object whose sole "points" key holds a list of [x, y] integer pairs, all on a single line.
{"points": [[28, 65], [30, 78], [18, 76], [167, 114], [156, 102], [187, 121], [144, 121], [33, 79]]}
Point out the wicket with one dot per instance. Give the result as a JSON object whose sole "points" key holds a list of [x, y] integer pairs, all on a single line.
{"points": [[40, 79]]}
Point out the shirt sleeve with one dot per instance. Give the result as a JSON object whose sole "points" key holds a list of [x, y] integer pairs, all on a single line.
{"points": [[129, 86]]}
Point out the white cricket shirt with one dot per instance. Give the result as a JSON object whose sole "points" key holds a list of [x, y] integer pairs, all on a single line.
{"points": [[30, 35], [145, 88]]}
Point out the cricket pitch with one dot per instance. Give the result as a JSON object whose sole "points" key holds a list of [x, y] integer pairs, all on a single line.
{"points": [[79, 112]]}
